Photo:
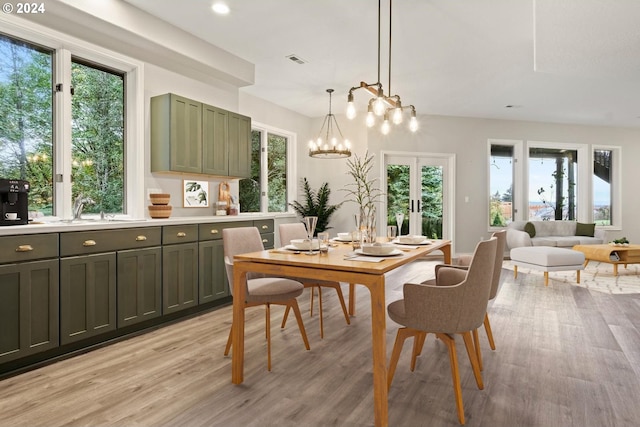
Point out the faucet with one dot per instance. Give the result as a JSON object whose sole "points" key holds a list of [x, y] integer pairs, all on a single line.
{"points": [[78, 205]]}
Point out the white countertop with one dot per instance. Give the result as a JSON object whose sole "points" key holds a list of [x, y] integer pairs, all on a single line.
{"points": [[58, 226]]}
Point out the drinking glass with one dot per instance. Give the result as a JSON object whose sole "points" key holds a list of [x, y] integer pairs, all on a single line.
{"points": [[323, 242], [355, 239], [399, 221], [392, 231], [310, 223]]}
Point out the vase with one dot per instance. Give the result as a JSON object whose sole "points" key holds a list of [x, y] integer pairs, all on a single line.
{"points": [[367, 224]]}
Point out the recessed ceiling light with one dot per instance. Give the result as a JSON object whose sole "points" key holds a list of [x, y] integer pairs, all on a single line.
{"points": [[220, 8]]}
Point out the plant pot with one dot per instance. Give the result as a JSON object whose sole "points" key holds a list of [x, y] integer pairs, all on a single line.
{"points": [[160, 211], [159, 198]]}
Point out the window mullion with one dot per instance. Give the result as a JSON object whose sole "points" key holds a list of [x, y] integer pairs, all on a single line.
{"points": [[62, 134]]}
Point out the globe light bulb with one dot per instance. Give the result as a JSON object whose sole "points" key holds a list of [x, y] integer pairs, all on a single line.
{"points": [[351, 110], [386, 127], [397, 116], [371, 119], [413, 124], [378, 106]]}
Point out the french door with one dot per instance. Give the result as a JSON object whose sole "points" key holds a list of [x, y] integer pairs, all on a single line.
{"points": [[420, 188]]}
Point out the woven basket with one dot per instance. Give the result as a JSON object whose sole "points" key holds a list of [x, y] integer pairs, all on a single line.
{"points": [[159, 198], [160, 211]]}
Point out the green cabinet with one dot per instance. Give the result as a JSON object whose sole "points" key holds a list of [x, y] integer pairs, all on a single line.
{"points": [[89, 273], [179, 267], [139, 285], [191, 137], [29, 295]]}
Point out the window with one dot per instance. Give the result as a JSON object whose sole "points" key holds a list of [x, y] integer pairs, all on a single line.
{"points": [[66, 111], [606, 187], [501, 185], [552, 183], [270, 187]]}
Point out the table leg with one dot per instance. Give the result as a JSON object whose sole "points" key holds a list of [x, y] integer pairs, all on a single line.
{"points": [[615, 269], [378, 332], [237, 355], [352, 299], [446, 250]]}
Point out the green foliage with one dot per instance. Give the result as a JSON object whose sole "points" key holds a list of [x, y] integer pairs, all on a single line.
{"points": [[316, 203]]}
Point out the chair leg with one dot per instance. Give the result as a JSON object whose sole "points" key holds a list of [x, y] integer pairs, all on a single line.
{"points": [[228, 347], [320, 311], [268, 327], [487, 328], [455, 374], [418, 343], [401, 336], [296, 310], [342, 304], [312, 289], [476, 345], [284, 318], [468, 343]]}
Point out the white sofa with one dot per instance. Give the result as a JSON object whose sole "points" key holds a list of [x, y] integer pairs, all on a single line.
{"points": [[560, 234]]}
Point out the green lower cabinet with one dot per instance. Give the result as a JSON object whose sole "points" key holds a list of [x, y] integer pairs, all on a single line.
{"points": [[213, 278], [139, 285], [87, 296], [179, 277], [28, 308]]}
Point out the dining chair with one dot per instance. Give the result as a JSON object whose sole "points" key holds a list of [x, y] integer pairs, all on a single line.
{"points": [[260, 289], [455, 304], [291, 231]]}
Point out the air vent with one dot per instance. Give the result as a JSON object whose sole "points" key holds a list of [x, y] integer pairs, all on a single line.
{"points": [[295, 58]]}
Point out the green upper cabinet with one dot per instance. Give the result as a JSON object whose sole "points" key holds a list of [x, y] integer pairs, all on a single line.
{"points": [[191, 137]]}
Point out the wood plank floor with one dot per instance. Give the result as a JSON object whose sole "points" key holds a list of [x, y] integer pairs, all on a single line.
{"points": [[565, 357]]}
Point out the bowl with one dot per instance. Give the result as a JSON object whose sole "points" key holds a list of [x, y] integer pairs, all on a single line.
{"points": [[160, 211], [159, 198], [303, 244], [344, 236], [411, 239], [377, 248]]}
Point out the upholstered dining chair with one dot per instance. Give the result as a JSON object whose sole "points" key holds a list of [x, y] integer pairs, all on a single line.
{"points": [[260, 289], [292, 231], [455, 304]]}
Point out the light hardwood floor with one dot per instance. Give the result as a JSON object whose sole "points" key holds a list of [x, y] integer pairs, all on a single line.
{"points": [[565, 357]]}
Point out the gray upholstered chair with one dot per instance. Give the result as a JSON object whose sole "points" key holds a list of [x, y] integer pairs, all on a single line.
{"points": [[463, 262], [455, 304], [292, 231], [260, 289]]}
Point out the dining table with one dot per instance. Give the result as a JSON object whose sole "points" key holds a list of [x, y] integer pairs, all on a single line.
{"points": [[339, 264]]}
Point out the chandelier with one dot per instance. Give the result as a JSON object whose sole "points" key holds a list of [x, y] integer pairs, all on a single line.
{"points": [[330, 147], [381, 105]]}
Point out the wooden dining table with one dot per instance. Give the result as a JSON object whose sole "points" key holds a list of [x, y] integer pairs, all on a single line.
{"points": [[334, 265]]}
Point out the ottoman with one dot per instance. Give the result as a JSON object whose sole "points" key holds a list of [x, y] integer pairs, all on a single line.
{"points": [[547, 258]]}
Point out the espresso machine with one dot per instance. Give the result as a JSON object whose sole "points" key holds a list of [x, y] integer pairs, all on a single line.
{"points": [[14, 202]]}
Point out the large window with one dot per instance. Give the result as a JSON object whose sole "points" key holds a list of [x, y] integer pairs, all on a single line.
{"points": [[554, 181], [67, 109], [269, 188]]}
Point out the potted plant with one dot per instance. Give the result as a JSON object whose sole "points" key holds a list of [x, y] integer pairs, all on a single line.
{"points": [[316, 203], [363, 191]]}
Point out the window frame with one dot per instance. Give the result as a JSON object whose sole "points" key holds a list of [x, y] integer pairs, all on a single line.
{"points": [[265, 130], [616, 185], [64, 47], [518, 177]]}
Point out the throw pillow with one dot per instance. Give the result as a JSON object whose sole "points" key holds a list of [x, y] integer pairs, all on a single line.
{"points": [[585, 229], [530, 229]]}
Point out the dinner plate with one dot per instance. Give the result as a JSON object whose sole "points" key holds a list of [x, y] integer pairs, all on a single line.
{"points": [[424, 242], [337, 239], [293, 248], [392, 253]]}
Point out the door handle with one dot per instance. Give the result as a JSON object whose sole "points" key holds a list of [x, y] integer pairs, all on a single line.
{"points": [[412, 205], [419, 210]]}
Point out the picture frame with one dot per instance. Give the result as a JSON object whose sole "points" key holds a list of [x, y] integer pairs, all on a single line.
{"points": [[196, 194]]}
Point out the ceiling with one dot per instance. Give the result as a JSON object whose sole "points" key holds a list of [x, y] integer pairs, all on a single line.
{"points": [[575, 61]]}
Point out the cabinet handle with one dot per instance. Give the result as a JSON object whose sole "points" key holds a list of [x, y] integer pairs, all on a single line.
{"points": [[265, 240], [141, 238], [265, 227], [181, 234], [214, 231], [89, 243], [24, 248]]}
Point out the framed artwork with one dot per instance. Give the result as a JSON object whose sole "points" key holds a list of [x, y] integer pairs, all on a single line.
{"points": [[196, 194]]}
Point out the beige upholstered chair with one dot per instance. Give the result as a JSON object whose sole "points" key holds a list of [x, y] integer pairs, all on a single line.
{"points": [[463, 262], [260, 290], [292, 231], [455, 304]]}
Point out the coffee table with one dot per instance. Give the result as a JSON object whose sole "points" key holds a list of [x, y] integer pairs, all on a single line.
{"points": [[610, 254]]}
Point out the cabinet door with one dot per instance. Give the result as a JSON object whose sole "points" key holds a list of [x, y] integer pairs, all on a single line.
{"points": [[213, 278], [28, 308], [215, 137], [139, 285], [239, 145], [179, 277], [87, 296], [186, 135]]}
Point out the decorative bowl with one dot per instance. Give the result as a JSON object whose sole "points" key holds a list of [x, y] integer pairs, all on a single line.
{"points": [[159, 198], [377, 248], [411, 239], [160, 211], [344, 236], [303, 244]]}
